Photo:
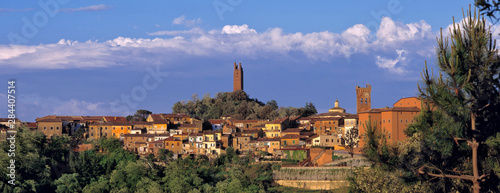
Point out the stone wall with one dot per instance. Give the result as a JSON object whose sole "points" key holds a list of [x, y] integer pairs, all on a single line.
{"points": [[313, 178], [313, 184], [311, 173]]}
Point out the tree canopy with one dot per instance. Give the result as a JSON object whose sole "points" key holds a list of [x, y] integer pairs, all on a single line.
{"points": [[239, 105]]}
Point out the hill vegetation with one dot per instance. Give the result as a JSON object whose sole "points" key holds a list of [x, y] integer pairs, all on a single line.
{"points": [[240, 106]]}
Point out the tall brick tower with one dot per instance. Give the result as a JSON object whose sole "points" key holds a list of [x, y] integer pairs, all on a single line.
{"points": [[363, 98], [238, 78]]}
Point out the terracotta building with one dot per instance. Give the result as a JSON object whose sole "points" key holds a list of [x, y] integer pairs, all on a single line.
{"points": [[238, 78], [391, 121]]}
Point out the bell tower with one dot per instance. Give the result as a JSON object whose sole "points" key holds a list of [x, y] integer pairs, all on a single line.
{"points": [[238, 77], [363, 98]]}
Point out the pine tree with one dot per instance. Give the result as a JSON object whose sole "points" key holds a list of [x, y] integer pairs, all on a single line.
{"points": [[461, 128]]}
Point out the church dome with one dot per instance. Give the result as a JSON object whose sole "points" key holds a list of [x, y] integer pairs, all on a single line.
{"points": [[337, 108]]}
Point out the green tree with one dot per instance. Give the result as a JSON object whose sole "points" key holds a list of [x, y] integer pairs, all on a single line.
{"points": [[351, 140], [69, 183], [489, 8], [140, 115], [467, 93]]}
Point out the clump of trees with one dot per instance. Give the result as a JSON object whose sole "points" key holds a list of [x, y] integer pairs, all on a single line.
{"points": [[139, 115], [239, 105]]}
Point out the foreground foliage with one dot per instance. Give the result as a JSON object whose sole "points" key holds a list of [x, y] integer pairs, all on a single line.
{"points": [[51, 166], [454, 143]]}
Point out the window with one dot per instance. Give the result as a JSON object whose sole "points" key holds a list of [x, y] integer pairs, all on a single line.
{"points": [[106, 128], [92, 128], [113, 128], [114, 134], [366, 101], [389, 135], [57, 128], [122, 128], [51, 128], [92, 134], [388, 120], [327, 140], [406, 120], [383, 121], [361, 101], [293, 142], [401, 120], [44, 128], [106, 134]]}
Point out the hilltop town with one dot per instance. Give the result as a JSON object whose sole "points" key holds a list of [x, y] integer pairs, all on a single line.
{"points": [[302, 140]]}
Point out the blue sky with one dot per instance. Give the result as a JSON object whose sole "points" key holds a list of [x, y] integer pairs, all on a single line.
{"points": [[74, 57]]}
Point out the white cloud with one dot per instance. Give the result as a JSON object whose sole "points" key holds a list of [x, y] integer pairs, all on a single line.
{"points": [[394, 65], [186, 22], [391, 31], [237, 29], [229, 42], [494, 29], [99, 7]]}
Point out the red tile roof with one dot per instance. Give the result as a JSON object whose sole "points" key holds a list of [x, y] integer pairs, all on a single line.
{"points": [[290, 136], [216, 121], [292, 130]]}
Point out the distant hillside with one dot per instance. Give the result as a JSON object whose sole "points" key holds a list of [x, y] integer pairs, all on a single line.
{"points": [[239, 106]]}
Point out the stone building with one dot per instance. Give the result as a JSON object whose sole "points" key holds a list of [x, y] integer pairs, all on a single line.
{"points": [[238, 78], [363, 98]]}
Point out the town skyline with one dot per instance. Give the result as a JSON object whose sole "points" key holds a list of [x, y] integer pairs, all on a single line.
{"points": [[89, 55]]}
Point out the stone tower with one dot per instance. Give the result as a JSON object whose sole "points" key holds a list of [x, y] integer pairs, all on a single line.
{"points": [[238, 78], [363, 98]]}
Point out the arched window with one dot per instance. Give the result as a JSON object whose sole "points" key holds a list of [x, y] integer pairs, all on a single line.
{"points": [[366, 101], [361, 101]]}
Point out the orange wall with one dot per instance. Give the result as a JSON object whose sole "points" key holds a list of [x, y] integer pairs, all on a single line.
{"points": [[118, 130], [363, 119], [392, 122], [395, 123]]}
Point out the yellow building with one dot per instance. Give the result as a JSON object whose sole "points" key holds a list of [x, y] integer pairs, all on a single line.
{"points": [[159, 126], [278, 124], [120, 129], [212, 135], [272, 133]]}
